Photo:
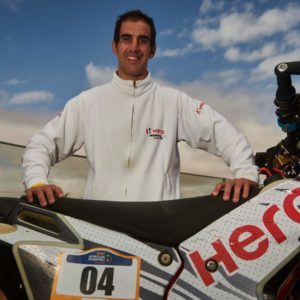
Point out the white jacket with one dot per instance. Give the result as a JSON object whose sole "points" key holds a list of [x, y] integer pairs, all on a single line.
{"points": [[130, 132]]}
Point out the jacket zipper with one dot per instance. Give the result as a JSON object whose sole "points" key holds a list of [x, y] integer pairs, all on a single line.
{"points": [[131, 133]]}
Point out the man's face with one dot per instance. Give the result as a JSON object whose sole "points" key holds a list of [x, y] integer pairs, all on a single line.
{"points": [[133, 50]]}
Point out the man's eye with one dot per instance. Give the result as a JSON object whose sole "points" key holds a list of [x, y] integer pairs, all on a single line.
{"points": [[143, 40], [126, 38]]}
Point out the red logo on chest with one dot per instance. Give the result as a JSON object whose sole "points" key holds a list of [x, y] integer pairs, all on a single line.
{"points": [[157, 133]]}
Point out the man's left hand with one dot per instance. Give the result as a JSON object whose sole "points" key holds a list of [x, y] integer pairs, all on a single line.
{"points": [[237, 187]]}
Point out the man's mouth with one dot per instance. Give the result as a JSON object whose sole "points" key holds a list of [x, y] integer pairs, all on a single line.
{"points": [[132, 58]]}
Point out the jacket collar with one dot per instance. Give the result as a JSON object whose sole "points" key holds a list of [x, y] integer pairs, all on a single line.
{"points": [[130, 86]]}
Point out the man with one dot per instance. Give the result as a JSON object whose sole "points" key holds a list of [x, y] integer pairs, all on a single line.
{"points": [[130, 128]]}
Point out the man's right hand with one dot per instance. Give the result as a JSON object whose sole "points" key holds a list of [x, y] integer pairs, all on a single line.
{"points": [[45, 193]]}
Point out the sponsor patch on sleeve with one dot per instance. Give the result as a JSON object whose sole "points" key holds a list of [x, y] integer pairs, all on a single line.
{"points": [[200, 108]]}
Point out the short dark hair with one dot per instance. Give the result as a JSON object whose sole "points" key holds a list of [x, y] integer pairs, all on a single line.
{"points": [[135, 15]]}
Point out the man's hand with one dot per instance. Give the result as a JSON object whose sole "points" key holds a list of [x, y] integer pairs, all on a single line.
{"points": [[236, 186], [45, 194]]}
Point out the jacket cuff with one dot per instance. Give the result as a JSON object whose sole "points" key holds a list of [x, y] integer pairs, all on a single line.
{"points": [[34, 182], [38, 184]]}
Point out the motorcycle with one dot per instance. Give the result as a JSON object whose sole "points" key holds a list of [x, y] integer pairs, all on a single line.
{"points": [[195, 248]]}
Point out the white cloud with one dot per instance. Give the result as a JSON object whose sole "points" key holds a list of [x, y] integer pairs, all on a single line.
{"points": [[235, 54], [18, 125], [183, 33], [235, 104], [293, 38], [166, 32], [175, 52], [31, 97], [229, 77], [266, 68], [221, 79], [248, 6], [3, 97], [25, 98], [208, 6], [14, 81], [237, 28], [97, 75], [261, 136]]}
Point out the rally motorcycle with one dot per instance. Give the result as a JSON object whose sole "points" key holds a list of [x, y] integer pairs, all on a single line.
{"points": [[195, 248]]}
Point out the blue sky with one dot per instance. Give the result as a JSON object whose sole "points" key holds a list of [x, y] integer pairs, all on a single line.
{"points": [[222, 52], [46, 45]]}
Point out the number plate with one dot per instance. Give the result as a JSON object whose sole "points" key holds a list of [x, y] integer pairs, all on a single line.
{"points": [[99, 272]]}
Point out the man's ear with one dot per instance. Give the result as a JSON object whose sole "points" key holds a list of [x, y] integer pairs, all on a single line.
{"points": [[114, 47], [153, 52]]}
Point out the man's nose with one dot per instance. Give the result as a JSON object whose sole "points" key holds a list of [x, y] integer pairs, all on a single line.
{"points": [[135, 44]]}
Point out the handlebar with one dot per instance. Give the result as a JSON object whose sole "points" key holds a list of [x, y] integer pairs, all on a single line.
{"points": [[285, 69], [287, 101]]}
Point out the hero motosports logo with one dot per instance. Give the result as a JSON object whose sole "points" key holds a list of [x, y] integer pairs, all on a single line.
{"points": [[157, 133], [200, 108], [258, 237]]}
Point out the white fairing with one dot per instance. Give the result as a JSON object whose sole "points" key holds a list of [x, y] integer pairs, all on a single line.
{"points": [[85, 261], [133, 265], [248, 244]]}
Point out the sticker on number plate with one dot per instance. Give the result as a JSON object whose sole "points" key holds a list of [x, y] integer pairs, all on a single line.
{"points": [[97, 273]]}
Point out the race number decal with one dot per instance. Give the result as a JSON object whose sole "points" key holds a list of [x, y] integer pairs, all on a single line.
{"points": [[99, 273]]}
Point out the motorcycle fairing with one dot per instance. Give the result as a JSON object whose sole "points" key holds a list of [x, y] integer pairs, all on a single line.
{"points": [[247, 246], [37, 252]]}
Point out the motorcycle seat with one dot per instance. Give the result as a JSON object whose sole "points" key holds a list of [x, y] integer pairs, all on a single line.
{"points": [[166, 223], [162, 222]]}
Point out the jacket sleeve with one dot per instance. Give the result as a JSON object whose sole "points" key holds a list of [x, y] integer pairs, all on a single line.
{"points": [[203, 128], [61, 137]]}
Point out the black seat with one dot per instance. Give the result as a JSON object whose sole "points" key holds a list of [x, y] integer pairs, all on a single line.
{"points": [[163, 222]]}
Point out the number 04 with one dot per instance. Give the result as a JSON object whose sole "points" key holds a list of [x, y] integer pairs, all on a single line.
{"points": [[88, 281]]}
